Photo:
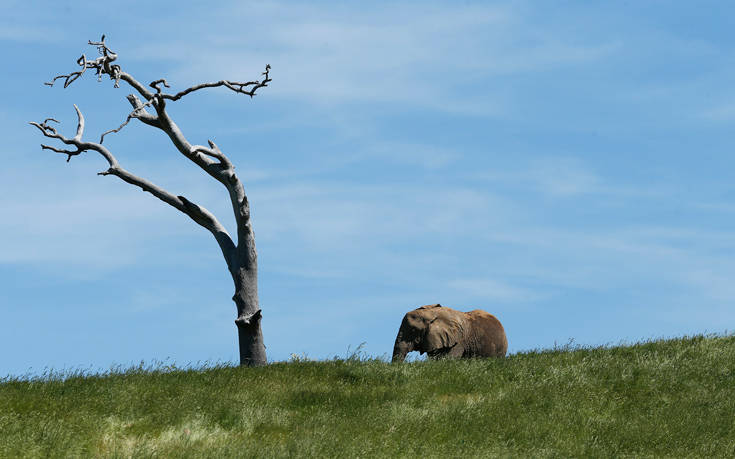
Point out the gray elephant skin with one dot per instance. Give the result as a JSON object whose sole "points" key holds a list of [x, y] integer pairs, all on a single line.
{"points": [[443, 332]]}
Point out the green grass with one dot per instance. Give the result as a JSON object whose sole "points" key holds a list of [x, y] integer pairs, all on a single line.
{"points": [[660, 398]]}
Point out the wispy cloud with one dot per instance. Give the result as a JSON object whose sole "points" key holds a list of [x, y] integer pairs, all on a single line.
{"points": [[558, 177], [490, 290], [719, 113], [343, 57], [562, 177], [76, 218], [413, 154], [114, 226], [326, 214], [22, 22]]}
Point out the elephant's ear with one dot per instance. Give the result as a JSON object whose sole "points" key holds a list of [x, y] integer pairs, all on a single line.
{"points": [[444, 332]]}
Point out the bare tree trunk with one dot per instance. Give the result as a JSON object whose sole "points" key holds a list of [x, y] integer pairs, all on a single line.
{"points": [[250, 336]]}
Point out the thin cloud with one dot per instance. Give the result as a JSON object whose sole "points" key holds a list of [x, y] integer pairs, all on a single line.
{"points": [[345, 57], [719, 113], [491, 290], [563, 177], [559, 177]]}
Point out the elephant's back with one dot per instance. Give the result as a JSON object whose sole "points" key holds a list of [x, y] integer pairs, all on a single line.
{"points": [[491, 338]]}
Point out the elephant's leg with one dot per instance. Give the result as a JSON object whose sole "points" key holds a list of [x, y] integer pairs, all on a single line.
{"points": [[436, 354], [456, 351]]}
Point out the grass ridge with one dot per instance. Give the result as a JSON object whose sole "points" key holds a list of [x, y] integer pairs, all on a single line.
{"points": [[667, 397]]}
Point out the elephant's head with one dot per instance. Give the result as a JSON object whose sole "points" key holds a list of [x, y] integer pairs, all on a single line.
{"points": [[429, 328]]}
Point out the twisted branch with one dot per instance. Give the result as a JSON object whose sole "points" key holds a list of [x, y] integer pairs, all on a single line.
{"points": [[214, 152], [50, 131], [154, 85], [138, 109], [101, 66], [233, 85]]}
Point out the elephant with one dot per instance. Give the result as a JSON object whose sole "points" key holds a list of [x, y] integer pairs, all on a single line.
{"points": [[443, 332]]}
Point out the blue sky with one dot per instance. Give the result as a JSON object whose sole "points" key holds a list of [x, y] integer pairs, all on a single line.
{"points": [[566, 166]]}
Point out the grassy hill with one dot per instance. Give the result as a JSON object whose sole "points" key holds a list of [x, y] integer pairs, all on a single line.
{"points": [[661, 398]]}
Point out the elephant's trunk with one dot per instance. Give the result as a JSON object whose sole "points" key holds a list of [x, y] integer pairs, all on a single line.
{"points": [[401, 348]]}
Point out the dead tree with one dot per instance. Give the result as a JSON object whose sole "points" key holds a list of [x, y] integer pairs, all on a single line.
{"points": [[149, 107]]}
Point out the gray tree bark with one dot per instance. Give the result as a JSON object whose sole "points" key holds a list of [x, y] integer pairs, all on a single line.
{"points": [[240, 255]]}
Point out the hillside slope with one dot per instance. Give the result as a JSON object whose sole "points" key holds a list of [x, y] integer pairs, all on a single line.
{"points": [[662, 398]]}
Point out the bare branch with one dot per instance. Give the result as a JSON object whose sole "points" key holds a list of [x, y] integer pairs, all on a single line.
{"points": [[44, 128], [102, 66], [102, 47], [69, 79], [76, 141], [127, 120], [223, 172], [48, 131], [138, 112], [214, 152], [141, 112], [199, 214], [233, 85], [154, 85], [80, 124], [60, 150], [126, 77]]}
